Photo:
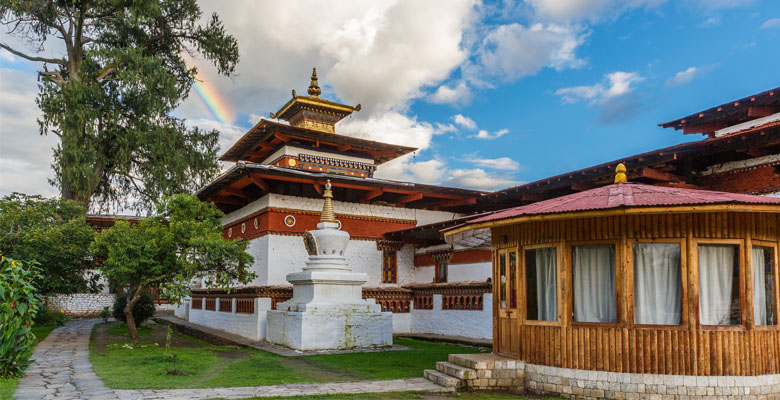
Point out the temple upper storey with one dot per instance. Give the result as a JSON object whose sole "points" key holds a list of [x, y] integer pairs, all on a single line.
{"points": [[312, 111]]}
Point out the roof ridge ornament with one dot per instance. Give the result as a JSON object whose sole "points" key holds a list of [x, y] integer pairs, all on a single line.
{"points": [[327, 208], [620, 173], [314, 87]]}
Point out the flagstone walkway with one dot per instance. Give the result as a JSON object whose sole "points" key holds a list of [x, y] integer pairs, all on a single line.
{"points": [[61, 370]]}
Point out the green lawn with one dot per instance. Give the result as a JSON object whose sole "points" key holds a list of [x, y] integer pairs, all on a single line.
{"points": [[8, 386], [408, 395], [207, 365]]}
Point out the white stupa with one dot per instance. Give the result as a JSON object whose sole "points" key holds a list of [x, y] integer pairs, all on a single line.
{"points": [[327, 310]]}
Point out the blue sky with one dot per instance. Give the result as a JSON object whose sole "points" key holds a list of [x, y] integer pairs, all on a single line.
{"points": [[495, 94]]}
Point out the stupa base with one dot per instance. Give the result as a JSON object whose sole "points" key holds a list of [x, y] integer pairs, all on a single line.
{"points": [[330, 328]]}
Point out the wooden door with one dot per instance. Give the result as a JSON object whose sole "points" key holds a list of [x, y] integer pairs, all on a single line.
{"points": [[506, 339]]}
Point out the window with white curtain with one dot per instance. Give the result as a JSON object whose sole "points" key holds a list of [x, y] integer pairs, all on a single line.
{"points": [[657, 284], [764, 286], [719, 302], [593, 275], [541, 284]]}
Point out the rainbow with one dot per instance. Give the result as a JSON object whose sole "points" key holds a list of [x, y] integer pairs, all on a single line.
{"points": [[211, 99]]}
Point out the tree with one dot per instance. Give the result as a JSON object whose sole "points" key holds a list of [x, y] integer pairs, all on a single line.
{"points": [[182, 243], [110, 95], [52, 233]]}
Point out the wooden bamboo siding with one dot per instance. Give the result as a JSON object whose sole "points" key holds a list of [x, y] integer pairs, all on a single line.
{"points": [[687, 349]]}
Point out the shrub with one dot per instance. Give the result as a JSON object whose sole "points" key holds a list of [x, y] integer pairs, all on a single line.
{"points": [[143, 309], [50, 317], [18, 306]]}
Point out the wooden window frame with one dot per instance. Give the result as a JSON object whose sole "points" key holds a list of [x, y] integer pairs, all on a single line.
{"points": [[393, 268], [437, 266], [523, 298], [497, 281], [629, 282], [749, 260], [618, 281], [740, 243]]}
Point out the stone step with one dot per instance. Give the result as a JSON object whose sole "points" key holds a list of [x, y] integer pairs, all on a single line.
{"points": [[456, 370], [442, 379], [480, 361]]}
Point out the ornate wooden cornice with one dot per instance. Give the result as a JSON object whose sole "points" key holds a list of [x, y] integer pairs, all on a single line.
{"points": [[389, 245]]}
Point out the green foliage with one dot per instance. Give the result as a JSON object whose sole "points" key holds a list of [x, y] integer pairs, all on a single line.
{"points": [[51, 318], [53, 234], [18, 306], [110, 95], [142, 310], [105, 313]]}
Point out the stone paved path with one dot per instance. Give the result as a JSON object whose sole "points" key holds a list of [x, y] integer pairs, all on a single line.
{"points": [[62, 371]]}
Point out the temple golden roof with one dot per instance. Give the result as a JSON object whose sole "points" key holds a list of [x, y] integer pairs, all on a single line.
{"points": [[313, 112]]}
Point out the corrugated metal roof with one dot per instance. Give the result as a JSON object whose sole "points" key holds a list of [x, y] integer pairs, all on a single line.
{"points": [[622, 195]]}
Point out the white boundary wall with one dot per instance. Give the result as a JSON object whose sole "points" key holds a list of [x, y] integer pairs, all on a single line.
{"points": [[476, 324], [251, 326]]}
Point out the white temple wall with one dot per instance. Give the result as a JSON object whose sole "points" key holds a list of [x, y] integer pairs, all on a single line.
{"points": [[473, 324], [424, 274], [469, 272], [251, 326]]}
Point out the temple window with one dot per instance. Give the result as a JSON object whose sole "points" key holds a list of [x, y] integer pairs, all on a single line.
{"points": [[764, 286], [719, 295], [502, 279], [389, 267], [593, 278], [441, 272], [657, 284], [541, 284]]}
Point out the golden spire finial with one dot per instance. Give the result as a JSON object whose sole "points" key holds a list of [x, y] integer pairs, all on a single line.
{"points": [[327, 208], [620, 176], [314, 87]]}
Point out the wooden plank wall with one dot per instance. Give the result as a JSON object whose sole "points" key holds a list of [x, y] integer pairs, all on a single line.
{"points": [[688, 349]]}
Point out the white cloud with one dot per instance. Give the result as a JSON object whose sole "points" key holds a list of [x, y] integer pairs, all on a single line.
{"points": [[682, 77], [613, 85], [771, 23], [6, 56], [711, 21], [513, 51], [484, 134], [574, 10], [460, 94], [25, 155], [478, 179], [464, 122], [501, 163]]}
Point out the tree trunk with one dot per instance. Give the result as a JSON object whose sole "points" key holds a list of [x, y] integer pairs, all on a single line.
{"points": [[129, 315]]}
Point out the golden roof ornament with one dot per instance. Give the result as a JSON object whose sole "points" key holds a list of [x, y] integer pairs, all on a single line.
{"points": [[314, 87], [620, 173], [327, 208]]}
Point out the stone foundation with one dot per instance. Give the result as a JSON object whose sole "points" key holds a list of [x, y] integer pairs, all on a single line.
{"points": [[494, 372], [80, 304]]}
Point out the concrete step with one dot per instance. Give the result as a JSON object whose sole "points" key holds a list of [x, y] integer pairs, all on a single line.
{"points": [[456, 370], [442, 379], [479, 361]]}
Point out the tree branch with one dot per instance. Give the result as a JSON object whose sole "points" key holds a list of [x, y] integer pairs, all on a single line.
{"points": [[31, 58]]}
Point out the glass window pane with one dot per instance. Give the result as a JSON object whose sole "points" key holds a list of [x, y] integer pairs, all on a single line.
{"points": [[541, 284], [764, 289], [502, 279], [512, 279], [719, 285], [595, 294], [657, 284]]}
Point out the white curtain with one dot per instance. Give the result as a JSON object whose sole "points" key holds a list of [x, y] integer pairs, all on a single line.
{"points": [[657, 284], [594, 283], [759, 286], [546, 284], [716, 279]]}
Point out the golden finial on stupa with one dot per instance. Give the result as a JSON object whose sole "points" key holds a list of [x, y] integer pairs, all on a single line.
{"points": [[314, 87], [620, 176], [327, 208]]}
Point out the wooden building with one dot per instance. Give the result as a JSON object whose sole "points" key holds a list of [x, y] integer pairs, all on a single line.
{"points": [[634, 278]]}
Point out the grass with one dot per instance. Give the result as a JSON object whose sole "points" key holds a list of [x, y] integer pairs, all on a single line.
{"points": [[145, 366], [8, 386], [407, 396]]}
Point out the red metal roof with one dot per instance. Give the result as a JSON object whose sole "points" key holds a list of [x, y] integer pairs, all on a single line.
{"points": [[622, 195]]}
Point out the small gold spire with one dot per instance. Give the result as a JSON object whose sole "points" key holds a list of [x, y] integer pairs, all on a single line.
{"points": [[327, 208], [620, 176], [314, 87]]}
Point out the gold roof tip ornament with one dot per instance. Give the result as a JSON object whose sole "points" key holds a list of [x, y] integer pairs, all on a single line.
{"points": [[327, 209], [314, 87], [620, 173]]}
